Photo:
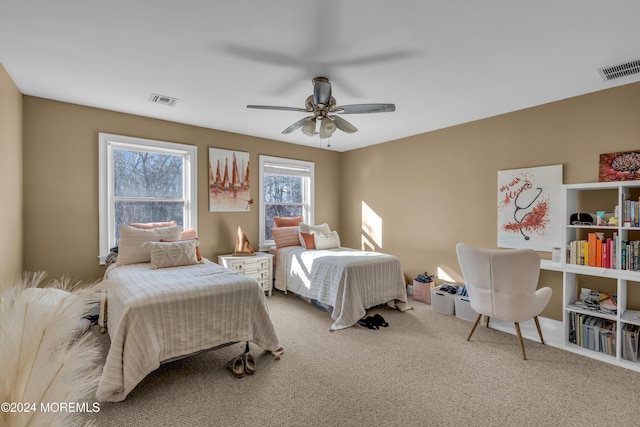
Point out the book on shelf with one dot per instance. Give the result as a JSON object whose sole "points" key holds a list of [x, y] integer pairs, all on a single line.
{"points": [[630, 212], [592, 242], [630, 342], [595, 252], [592, 333], [608, 338], [630, 255]]}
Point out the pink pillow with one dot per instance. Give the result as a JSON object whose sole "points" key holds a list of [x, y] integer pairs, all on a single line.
{"points": [[282, 221], [189, 234], [150, 225], [309, 242], [285, 236]]}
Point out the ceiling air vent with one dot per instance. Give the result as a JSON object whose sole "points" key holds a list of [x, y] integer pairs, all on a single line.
{"points": [[162, 99], [622, 70]]}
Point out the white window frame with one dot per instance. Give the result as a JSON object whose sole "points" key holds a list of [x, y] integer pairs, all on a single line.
{"points": [[107, 144], [288, 167]]}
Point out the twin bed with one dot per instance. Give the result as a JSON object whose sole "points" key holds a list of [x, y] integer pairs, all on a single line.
{"points": [[156, 313], [311, 263], [346, 282], [159, 315]]}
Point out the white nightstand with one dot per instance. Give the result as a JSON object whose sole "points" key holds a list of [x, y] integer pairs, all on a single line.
{"points": [[258, 266]]}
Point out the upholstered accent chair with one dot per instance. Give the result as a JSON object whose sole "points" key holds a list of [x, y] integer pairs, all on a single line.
{"points": [[502, 283]]}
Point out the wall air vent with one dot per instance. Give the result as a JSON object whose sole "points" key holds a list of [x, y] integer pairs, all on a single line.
{"points": [[162, 99], [622, 70]]}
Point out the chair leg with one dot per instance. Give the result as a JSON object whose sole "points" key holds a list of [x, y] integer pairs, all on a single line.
{"points": [[474, 326], [524, 356], [487, 321], [539, 330]]}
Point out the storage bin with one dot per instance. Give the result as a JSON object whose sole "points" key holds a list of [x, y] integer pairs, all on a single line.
{"points": [[442, 302], [463, 308], [420, 291]]}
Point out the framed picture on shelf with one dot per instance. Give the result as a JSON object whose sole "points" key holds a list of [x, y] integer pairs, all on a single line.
{"points": [[530, 208], [622, 166]]}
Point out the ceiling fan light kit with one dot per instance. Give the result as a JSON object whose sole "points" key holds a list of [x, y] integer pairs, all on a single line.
{"points": [[324, 109]]}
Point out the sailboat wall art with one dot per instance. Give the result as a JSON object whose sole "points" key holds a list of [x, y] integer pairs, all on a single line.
{"points": [[229, 181]]}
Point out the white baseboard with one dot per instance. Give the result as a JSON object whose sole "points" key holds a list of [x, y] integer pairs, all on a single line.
{"points": [[552, 330]]}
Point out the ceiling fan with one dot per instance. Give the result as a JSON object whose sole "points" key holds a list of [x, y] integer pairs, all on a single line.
{"points": [[324, 109]]}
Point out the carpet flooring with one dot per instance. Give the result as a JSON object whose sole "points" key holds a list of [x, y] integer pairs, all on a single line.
{"points": [[419, 371]]}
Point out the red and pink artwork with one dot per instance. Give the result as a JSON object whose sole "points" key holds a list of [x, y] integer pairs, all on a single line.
{"points": [[623, 166], [529, 208]]}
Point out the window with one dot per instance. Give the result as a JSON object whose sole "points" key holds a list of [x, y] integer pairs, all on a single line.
{"points": [[286, 189], [142, 180]]}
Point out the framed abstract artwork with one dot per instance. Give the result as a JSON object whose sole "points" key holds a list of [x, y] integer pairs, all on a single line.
{"points": [[623, 166], [229, 189], [530, 208]]}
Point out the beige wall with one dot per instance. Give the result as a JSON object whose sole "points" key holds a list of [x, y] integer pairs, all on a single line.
{"points": [[422, 194], [433, 190], [11, 262], [61, 182]]}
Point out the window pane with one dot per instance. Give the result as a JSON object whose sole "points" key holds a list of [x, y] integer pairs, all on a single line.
{"points": [[272, 211], [144, 174], [283, 189], [127, 212]]}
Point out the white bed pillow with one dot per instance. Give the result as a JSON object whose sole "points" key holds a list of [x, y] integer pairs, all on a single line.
{"points": [[328, 240], [307, 228], [172, 254], [130, 249]]}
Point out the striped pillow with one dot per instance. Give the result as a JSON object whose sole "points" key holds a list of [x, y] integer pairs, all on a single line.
{"points": [[285, 236], [130, 249]]}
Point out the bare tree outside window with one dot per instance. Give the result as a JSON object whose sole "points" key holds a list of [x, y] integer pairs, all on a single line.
{"points": [[286, 190], [283, 196], [148, 187]]}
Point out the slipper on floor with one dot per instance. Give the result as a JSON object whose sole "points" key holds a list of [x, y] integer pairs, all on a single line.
{"points": [[368, 322], [379, 320], [236, 365], [249, 363]]}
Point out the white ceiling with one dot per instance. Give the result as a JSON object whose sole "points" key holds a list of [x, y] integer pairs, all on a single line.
{"points": [[441, 63]]}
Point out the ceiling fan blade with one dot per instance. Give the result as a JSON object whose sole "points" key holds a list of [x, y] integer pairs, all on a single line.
{"points": [[297, 125], [271, 107], [365, 108], [344, 125], [321, 91]]}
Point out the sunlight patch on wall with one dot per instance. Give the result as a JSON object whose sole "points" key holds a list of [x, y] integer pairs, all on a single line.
{"points": [[447, 274], [366, 244], [371, 225]]}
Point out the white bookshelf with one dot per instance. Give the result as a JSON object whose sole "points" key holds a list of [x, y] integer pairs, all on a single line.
{"points": [[581, 198]]}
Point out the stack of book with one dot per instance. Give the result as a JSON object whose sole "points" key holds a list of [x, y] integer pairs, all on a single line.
{"points": [[593, 333], [630, 212], [630, 259], [593, 252]]}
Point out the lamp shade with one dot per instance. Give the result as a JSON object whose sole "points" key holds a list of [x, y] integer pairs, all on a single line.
{"points": [[327, 128], [309, 128]]}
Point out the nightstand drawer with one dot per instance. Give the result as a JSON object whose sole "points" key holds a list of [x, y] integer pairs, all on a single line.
{"points": [[258, 267], [265, 284]]}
